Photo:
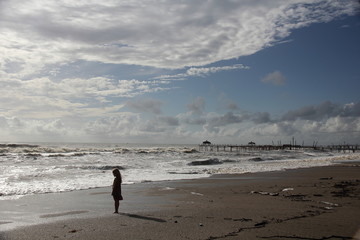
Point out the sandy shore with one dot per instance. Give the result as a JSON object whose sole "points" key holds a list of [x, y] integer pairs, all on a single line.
{"points": [[315, 203]]}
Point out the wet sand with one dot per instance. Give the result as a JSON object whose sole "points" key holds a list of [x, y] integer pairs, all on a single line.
{"points": [[314, 203]]}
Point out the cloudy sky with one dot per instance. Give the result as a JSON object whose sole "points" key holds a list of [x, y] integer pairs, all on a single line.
{"points": [[149, 71]]}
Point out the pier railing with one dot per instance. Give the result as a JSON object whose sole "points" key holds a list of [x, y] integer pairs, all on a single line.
{"points": [[244, 148]]}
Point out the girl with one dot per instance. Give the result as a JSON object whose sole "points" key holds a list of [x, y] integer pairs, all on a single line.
{"points": [[116, 189]]}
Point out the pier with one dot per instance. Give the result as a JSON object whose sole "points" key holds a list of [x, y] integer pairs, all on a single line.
{"points": [[207, 146]]}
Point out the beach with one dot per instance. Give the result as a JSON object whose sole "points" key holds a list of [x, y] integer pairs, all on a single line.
{"points": [[309, 203]]}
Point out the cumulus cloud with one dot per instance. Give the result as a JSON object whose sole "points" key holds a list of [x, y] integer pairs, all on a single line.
{"points": [[337, 124], [185, 33], [169, 121], [227, 118], [261, 117], [124, 124], [197, 106], [145, 105], [201, 72], [322, 121], [195, 121], [216, 122], [276, 78], [323, 111], [46, 98], [204, 71], [34, 129], [232, 106], [44, 91], [330, 122]]}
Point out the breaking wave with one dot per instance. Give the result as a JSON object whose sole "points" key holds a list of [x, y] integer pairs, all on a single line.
{"points": [[213, 161]]}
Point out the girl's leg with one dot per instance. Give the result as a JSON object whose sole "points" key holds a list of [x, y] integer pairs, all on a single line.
{"points": [[117, 203]]}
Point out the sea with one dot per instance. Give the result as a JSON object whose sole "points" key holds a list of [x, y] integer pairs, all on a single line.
{"points": [[61, 167]]}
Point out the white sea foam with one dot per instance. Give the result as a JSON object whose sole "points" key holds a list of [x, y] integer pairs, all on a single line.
{"points": [[30, 169]]}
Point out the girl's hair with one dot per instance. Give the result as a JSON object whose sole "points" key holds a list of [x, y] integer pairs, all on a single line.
{"points": [[116, 172]]}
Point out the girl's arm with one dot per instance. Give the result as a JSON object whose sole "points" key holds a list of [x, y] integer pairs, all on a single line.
{"points": [[116, 186]]}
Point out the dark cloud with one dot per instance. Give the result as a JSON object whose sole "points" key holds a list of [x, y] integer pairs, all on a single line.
{"points": [[232, 106], [351, 110], [261, 117], [169, 121], [322, 111], [195, 121], [152, 126], [226, 119], [286, 129], [223, 120], [197, 106], [146, 105]]}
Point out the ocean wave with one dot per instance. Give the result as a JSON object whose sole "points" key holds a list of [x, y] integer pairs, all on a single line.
{"points": [[274, 158], [155, 151], [229, 161], [58, 168], [212, 161], [57, 155], [69, 154], [122, 151], [17, 193], [184, 173], [33, 155], [65, 151], [97, 167], [45, 150], [193, 150], [17, 145], [26, 177], [256, 159]]}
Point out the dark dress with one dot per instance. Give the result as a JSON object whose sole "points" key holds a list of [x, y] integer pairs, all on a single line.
{"points": [[116, 191]]}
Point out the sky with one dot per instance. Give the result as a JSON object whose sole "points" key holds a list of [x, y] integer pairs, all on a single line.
{"points": [[180, 72]]}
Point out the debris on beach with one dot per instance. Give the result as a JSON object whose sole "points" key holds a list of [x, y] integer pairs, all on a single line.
{"points": [[326, 178], [298, 197], [198, 194], [167, 189], [261, 224], [330, 206], [265, 193]]}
